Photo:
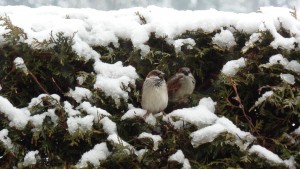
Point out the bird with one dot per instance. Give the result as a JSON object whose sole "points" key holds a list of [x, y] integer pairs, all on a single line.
{"points": [[154, 93], [181, 86]]}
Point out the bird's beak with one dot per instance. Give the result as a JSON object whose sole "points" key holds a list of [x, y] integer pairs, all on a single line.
{"points": [[162, 75]]}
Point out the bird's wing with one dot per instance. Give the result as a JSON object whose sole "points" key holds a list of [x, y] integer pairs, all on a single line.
{"points": [[173, 84]]}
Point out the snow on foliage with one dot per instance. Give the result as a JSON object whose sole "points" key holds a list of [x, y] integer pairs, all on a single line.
{"points": [[264, 97], [292, 65], [224, 39], [6, 141], [109, 126], [81, 124], [201, 115], [30, 158], [98, 153], [155, 138], [18, 117], [288, 78], [138, 112], [80, 93], [179, 157], [112, 78], [98, 113], [233, 66]]}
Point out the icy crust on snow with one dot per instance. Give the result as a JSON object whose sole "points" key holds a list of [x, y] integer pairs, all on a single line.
{"points": [[179, 157], [98, 153]]}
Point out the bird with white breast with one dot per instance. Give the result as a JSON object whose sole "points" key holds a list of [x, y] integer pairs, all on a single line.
{"points": [[154, 93]]}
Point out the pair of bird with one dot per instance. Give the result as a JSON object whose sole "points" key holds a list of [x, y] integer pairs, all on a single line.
{"points": [[156, 92]]}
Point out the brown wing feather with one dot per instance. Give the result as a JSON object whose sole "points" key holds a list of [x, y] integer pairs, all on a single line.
{"points": [[173, 84]]}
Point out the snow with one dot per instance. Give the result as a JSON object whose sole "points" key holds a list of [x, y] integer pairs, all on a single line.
{"points": [[155, 138], [98, 113], [98, 153], [109, 126], [222, 125], [19, 64], [30, 158], [180, 42], [251, 42], [288, 78], [18, 117], [81, 124], [201, 115], [80, 93], [292, 65], [69, 109], [264, 97], [53, 99], [111, 78], [6, 141], [224, 39], [233, 66], [265, 153], [138, 112], [115, 139], [179, 157], [38, 119]]}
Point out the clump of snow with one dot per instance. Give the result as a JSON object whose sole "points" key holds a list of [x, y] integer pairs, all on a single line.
{"points": [[155, 138], [140, 153], [233, 66], [37, 120], [81, 124], [112, 78], [140, 113], [18, 117], [69, 109], [279, 59], [201, 115], [224, 39], [30, 158], [180, 42], [98, 113], [80, 93], [179, 157], [109, 126], [98, 153], [115, 139], [264, 97], [265, 153], [5, 139], [209, 133], [297, 131], [53, 99], [251, 42], [288, 78], [19, 64]]}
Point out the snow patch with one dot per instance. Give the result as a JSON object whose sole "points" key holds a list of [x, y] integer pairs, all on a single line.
{"points": [[233, 66], [155, 138]]}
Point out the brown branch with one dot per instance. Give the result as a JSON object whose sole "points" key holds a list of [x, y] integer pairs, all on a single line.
{"points": [[241, 106], [56, 85], [39, 84]]}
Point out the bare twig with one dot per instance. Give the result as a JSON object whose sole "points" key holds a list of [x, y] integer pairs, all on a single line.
{"points": [[39, 84], [241, 106]]}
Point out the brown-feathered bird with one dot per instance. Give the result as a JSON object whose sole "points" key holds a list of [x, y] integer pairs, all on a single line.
{"points": [[154, 93], [181, 85]]}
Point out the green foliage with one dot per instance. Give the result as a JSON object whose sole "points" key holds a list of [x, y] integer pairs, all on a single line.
{"points": [[53, 67]]}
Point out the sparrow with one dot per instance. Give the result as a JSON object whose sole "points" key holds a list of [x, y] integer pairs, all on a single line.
{"points": [[154, 93], [181, 85]]}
